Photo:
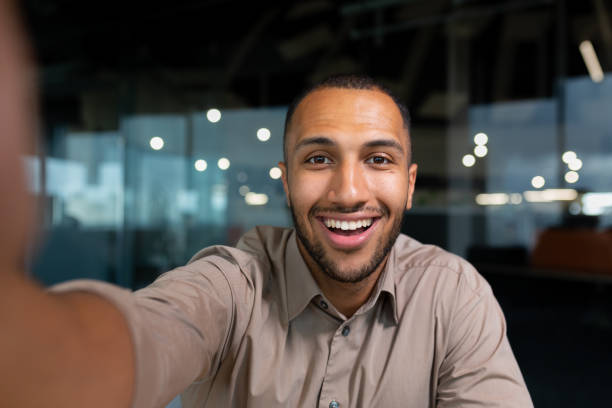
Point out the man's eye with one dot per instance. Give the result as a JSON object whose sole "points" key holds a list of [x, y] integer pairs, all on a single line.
{"points": [[378, 160], [318, 160]]}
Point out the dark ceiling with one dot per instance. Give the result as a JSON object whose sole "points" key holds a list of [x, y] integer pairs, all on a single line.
{"points": [[245, 53]]}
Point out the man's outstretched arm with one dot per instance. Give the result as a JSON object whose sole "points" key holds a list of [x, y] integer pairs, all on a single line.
{"points": [[69, 350], [86, 343]]}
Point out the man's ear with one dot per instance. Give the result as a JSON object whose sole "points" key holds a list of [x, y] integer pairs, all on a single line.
{"points": [[412, 173], [283, 167]]}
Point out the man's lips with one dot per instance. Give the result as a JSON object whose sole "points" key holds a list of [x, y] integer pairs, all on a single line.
{"points": [[348, 231]]}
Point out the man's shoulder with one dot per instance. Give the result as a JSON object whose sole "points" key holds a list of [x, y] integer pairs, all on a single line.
{"points": [[259, 250], [434, 264]]}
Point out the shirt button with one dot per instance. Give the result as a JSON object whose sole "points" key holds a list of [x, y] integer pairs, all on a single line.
{"points": [[334, 404], [346, 331], [324, 304]]}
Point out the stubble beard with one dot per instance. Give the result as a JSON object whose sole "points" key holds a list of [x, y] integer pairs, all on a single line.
{"points": [[331, 268]]}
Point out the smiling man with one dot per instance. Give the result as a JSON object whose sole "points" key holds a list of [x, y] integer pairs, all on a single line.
{"points": [[343, 311], [348, 180]]}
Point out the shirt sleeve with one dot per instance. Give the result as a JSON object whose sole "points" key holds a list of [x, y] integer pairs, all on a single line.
{"points": [[479, 368], [180, 327]]}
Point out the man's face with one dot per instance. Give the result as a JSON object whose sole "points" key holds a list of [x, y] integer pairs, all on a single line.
{"points": [[347, 179]]}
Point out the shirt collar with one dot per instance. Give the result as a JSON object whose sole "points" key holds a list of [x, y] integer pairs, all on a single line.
{"points": [[302, 288], [386, 283]]}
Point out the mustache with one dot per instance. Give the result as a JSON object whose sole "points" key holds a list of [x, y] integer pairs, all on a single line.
{"points": [[316, 210]]}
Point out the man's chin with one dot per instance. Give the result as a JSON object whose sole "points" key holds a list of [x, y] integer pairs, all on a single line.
{"points": [[348, 271], [348, 276]]}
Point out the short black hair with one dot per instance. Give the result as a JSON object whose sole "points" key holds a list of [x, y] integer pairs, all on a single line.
{"points": [[346, 81]]}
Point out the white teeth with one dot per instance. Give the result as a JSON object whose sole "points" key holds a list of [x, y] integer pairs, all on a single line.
{"points": [[347, 225]]}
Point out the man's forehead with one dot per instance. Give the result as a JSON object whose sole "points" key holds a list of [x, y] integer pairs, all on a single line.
{"points": [[359, 106]]}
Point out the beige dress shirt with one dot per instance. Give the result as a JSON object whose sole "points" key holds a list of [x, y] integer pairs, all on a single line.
{"points": [[249, 327]]}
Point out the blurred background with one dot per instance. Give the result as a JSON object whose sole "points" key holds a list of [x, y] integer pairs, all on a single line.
{"points": [[162, 127]]}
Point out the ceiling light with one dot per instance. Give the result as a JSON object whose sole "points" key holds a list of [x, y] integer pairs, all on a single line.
{"points": [[591, 61], [156, 143], [263, 134], [223, 163], [538, 181], [468, 160], [275, 173], [596, 203], [200, 165], [492, 199], [252, 198], [481, 139], [568, 156], [571, 177], [481, 151], [575, 164], [551, 194], [213, 115]]}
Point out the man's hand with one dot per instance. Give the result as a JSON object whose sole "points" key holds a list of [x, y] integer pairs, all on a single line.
{"points": [[69, 350]]}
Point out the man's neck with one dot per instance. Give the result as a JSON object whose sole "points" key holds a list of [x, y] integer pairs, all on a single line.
{"points": [[347, 297]]}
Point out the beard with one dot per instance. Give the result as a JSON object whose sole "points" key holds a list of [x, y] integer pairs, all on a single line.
{"points": [[331, 268]]}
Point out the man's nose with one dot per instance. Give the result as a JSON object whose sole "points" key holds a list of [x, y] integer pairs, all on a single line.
{"points": [[349, 186]]}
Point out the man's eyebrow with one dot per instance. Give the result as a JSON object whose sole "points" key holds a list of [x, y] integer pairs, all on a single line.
{"points": [[385, 143], [317, 140]]}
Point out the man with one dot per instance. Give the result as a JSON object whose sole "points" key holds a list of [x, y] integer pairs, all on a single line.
{"points": [[341, 312]]}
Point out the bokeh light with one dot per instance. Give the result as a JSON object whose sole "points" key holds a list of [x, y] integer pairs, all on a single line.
{"points": [[481, 139], [263, 134], [200, 165], [481, 151], [538, 182], [468, 160], [156, 143], [223, 163], [213, 115]]}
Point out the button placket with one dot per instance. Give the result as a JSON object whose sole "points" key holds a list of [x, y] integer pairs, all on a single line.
{"points": [[329, 390]]}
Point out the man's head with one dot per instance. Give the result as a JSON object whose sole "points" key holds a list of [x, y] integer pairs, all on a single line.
{"points": [[347, 175]]}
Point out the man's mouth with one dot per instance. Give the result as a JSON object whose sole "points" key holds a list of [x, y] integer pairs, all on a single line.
{"points": [[343, 227], [348, 234]]}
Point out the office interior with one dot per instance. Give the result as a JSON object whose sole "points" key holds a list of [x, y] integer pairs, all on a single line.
{"points": [[161, 128]]}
